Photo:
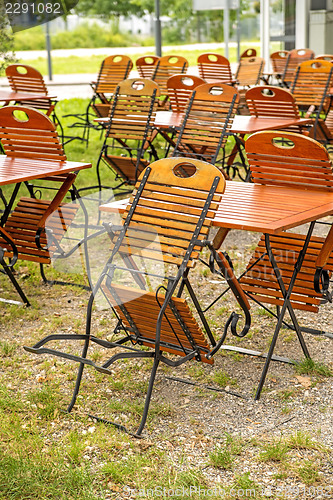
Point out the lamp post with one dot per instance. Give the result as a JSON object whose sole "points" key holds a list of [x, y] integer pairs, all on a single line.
{"points": [[158, 32]]}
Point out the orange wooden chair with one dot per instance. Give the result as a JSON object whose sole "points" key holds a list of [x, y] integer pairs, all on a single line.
{"points": [[311, 89], [166, 67], [287, 159], [215, 68], [114, 69], [128, 132], [180, 89], [207, 123], [294, 58], [26, 79], [325, 57], [36, 226], [271, 101], [146, 66], [278, 61], [166, 223], [248, 53]]}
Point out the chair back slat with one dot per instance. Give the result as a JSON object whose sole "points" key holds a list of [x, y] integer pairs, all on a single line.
{"points": [[288, 159], [214, 66], [29, 133]]}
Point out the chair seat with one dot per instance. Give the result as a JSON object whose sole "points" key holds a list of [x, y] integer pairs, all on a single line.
{"points": [[260, 281], [144, 307], [22, 226], [125, 166]]}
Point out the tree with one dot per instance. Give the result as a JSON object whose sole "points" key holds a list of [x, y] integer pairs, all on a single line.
{"points": [[7, 55]]}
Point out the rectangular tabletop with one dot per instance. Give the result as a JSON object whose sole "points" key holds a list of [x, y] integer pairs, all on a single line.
{"points": [[9, 95], [265, 209], [14, 170], [241, 124]]}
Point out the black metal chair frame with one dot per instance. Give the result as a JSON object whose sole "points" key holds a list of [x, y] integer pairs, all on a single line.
{"points": [[180, 280]]}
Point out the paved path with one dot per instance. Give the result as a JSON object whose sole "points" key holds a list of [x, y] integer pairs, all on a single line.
{"points": [[77, 85]]}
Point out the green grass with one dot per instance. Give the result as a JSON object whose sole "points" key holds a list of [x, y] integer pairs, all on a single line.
{"points": [[91, 64]]}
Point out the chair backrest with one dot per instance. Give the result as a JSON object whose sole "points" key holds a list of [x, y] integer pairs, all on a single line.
{"points": [[146, 66], [23, 78], [214, 66], [325, 57], [170, 207], [295, 57], [248, 53], [180, 89], [249, 71], [288, 159], [267, 100], [207, 121], [166, 67], [113, 70], [279, 61], [29, 133], [312, 83], [133, 109]]}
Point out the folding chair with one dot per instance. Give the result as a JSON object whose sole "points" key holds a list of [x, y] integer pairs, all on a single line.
{"points": [[248, 53], [249, 74], [146, 66], [288, 159], [267, 100], [325, 57], [128, 132], [311, 90], [278, 61], [166, 67], [294, 58], [215, 68], [207, 123], [23, 78], [166, 223], [180, 89], [113, 70], [29, 133]]}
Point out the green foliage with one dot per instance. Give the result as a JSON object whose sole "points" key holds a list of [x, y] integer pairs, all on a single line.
{"points": [[223, 456], [275, 451], [85, 35], [7, 55]]}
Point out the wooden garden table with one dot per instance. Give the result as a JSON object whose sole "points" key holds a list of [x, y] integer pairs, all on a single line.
{"points": [[269, 210]]}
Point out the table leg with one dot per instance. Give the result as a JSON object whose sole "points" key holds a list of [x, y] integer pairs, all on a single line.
{"points": [[286, 305]]}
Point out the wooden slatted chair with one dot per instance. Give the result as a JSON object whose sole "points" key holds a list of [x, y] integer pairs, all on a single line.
{"points": [[297, 161], [114, 69], [29, 133], [311, 90], [167, 221], [271, 101], [180, 89], [23, 78], [248, 53], [207, 123], [146, 66], [166, 67], [294, 58], [127, 137], [249, 74], [325, 57], [215, 68], [278, 61]]}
